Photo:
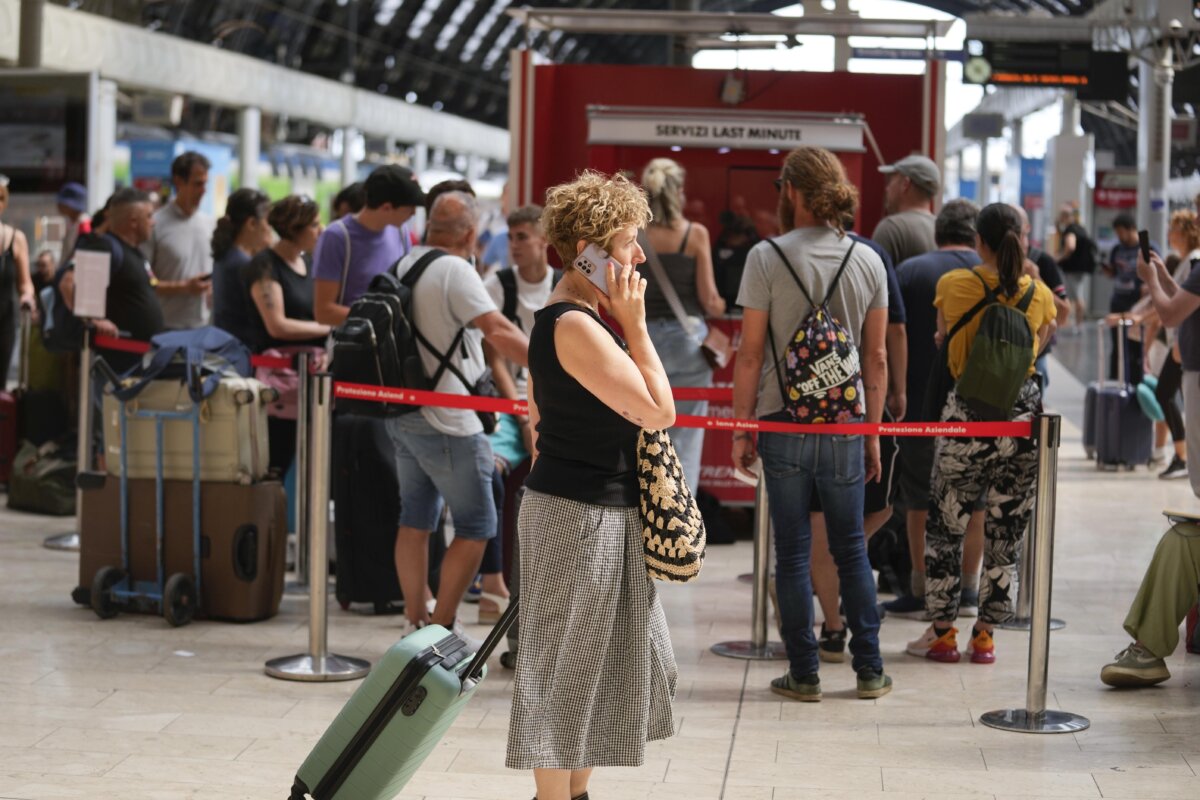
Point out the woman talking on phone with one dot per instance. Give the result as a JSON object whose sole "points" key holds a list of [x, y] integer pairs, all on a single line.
{"points": [[596, 672]]}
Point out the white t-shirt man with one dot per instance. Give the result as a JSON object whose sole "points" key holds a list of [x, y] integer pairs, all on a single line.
{"points": [[531, 298], [446, 298], [180, 248]]}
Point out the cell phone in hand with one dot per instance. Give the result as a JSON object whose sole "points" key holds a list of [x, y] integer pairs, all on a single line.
{"points": [[1144, 241], [593, 262]]}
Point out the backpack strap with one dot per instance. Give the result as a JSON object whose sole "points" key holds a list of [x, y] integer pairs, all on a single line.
{"points": [[1023, 306], [508, 282], [988, 298], [841, 269], [792, 272], [444, 365], [341, 298]]}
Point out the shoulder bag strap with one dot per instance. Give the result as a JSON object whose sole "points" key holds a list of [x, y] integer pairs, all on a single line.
{"points": [[345, 265], [664, 282]]}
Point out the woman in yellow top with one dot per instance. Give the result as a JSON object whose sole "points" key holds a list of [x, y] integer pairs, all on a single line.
{"points": [[965, 468]]}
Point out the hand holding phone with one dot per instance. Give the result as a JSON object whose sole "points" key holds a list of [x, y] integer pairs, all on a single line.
{"points": [[1144, 241]]}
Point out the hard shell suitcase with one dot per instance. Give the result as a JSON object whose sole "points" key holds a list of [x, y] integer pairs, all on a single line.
{"points": [[233, 432], [8, 435], [242, 546], [397, 716], [1124, 434], [366, 501], [1089, 398], [1192, 631]]}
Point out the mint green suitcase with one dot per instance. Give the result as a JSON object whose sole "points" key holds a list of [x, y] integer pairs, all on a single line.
{"points": [[398, 715]]}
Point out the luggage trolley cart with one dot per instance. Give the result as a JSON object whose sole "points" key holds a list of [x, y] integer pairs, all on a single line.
{"points": [[178, 597]]}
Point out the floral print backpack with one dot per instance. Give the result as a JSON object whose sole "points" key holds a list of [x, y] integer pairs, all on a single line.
{"points": [[819, 376]]}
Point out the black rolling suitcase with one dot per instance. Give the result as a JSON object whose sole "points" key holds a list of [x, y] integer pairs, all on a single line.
{"points": [[366, 498], [1124, 435]]}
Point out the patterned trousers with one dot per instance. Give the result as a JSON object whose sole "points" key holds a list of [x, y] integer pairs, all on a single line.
{"points": [[964, 469]]}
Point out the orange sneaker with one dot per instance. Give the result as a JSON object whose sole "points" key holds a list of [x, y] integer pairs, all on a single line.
{"points": [[936, 647], [982, 648]]}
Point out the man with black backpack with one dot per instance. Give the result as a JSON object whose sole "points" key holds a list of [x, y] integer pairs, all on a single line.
{"points": [[1077, 255], [443, 454]]}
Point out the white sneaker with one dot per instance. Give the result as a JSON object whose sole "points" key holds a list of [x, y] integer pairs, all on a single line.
{"points": [[459, 631]]}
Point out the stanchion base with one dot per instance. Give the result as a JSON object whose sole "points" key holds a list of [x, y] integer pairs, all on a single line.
{"points": [[305, 668], [63, 541], [1022, 721], [748, 651], [1025, 624]]}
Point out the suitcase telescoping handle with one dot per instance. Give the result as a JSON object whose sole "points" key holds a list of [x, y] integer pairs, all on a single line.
{"points": [[1123, 326], [26, 325], [1101, 373], [471, 678]]}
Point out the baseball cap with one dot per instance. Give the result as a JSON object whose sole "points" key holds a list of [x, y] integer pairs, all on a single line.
{"points": [[918, 169], [73, 196], [393, 184]]}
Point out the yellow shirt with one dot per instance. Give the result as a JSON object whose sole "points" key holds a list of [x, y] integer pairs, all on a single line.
{"points": [[957, 293]]}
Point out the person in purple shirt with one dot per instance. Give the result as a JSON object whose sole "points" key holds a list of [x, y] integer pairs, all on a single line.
{"points": [[357, 247]]}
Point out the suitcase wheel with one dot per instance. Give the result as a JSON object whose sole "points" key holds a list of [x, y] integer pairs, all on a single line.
{"points": [[102, 601], [508, 660], [1090, 452], [179, 600]]}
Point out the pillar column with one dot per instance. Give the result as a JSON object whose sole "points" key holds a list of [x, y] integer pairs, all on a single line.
{"points": [[981, 191], [349, 163], [420, 158], [102, 140], [249, 126], [29, 53], [1154, 143]]}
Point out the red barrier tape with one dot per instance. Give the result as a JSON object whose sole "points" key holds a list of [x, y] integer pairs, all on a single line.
{"points": [[134, 346], [383, 394]]}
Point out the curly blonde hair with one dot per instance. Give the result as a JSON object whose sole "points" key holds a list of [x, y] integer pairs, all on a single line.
{"points": [[593, 207], [1188, 226]]}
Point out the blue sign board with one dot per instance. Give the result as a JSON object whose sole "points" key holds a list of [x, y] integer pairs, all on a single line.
{"points": [[1033, 176]]}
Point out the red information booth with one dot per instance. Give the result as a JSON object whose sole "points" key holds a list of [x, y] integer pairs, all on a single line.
{"points": [[617, 118]]}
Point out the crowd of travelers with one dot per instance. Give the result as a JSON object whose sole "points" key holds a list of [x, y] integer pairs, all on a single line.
{"points": [[836, 327]]}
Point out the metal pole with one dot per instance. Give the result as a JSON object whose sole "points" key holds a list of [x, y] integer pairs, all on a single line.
{"points": [[83, 449], [318, 664], [1034, 718], [303, 466], [759, 648], [1023, 619]]}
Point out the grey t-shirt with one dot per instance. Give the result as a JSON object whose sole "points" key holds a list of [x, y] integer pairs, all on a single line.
{"points": [[179, 248], [1189, 329], [906, 234], [446, 298], [815, 254]]}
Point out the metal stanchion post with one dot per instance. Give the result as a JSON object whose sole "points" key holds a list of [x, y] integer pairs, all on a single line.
{"points": [[303, 479], [1023, 619], [318, 664], [759, 647], [83, 448], [1035, 718]]}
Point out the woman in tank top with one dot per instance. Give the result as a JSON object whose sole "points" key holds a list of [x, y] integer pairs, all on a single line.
{"points": [[281, 295], [684, 250], [596, 672], [16, 285]]}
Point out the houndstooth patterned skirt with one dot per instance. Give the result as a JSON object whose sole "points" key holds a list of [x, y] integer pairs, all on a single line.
{"points": [[595, 670]]}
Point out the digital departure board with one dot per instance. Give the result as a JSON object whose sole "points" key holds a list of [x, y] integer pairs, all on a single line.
{"points": [[1066, 65]]}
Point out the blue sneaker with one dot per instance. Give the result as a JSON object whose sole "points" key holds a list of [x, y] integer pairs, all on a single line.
{"points": [[968, 605], [474, 591], [908, 607]]}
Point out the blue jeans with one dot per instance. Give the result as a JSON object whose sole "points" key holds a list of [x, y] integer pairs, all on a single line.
{"points": [[686, 366], [794, 466]]}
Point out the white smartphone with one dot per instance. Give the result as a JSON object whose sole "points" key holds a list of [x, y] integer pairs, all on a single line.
{"points": [[593, 262]]}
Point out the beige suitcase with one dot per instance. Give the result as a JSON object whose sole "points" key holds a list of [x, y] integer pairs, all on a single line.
{"points": [[233, 432]]}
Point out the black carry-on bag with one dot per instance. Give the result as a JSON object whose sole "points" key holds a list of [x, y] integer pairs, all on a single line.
{"points": [[397, 716]]}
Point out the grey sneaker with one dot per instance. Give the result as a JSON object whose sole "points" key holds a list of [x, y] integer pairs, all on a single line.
{"points": [[872, 683], [1135, 666], [806, 689]]}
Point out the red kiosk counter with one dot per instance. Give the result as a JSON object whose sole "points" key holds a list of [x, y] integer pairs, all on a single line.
{"points": [[567, 117]]}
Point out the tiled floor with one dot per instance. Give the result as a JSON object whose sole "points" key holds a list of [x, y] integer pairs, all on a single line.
{"points": [[129, 708]]}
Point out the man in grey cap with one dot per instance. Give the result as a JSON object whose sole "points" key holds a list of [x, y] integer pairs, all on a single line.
{"points": [[72, 204], [907, 230]]}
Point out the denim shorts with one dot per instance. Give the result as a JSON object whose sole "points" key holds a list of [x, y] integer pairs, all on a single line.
{"points": [[431, 466]]}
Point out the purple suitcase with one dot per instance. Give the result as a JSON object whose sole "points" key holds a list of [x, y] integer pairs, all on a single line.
{"points": [[1124, 435]]}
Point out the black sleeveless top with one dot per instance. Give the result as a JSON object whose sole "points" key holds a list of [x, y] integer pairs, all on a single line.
{"points": [[586, 451], [297, 299], [681, 271]]}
